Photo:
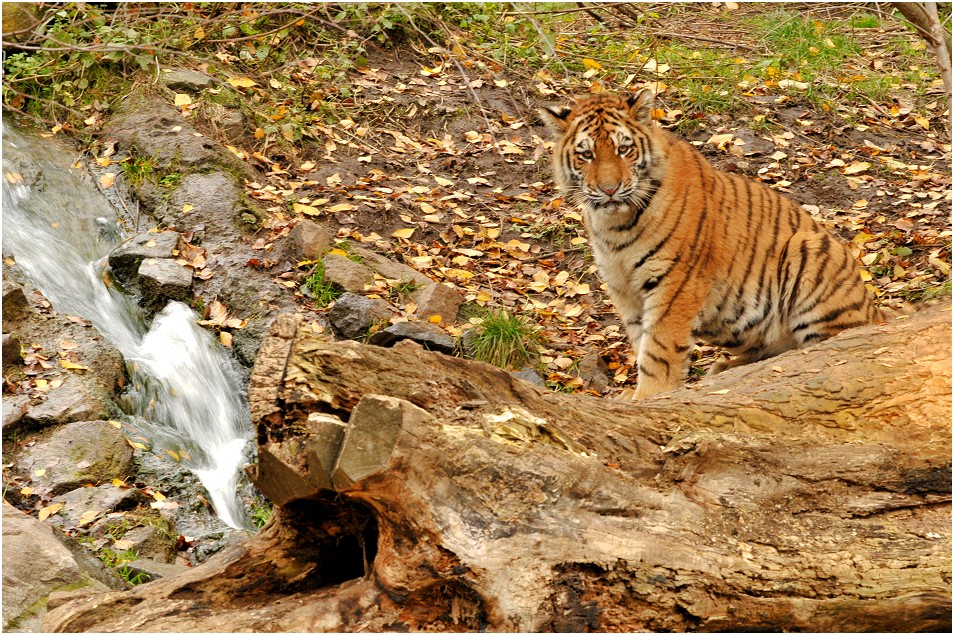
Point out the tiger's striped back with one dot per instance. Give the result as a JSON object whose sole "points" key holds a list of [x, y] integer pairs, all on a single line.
{"points": [[691, 253]]}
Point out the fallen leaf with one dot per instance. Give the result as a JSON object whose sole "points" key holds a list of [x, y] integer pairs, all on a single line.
{"points": [[856, 168], [48, 511], [404, 233], [242, 82]]}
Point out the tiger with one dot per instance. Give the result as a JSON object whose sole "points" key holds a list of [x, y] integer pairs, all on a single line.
{"points": [[690, 253]]}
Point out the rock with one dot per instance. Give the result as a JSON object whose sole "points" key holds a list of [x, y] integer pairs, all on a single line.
{"points": [[309, 240], [353, 314], [183, 79], [347, 274], [76, 454], [163, 279], [15, 305], [11, 350], [158, 131], [529, 374], [126, 259], [14, 409], [37, 561], [149, 543], [153, 570], [427, 335], [79, 398], [101, 498], [594, 372], [389, 269], [233, 124], [210, 199], [435, 298]]}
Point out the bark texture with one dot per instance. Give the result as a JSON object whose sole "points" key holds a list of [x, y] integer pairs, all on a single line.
{"points": [[419, 491]]}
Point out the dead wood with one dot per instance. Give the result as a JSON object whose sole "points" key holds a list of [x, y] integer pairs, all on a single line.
{"points": [[420, 491]]}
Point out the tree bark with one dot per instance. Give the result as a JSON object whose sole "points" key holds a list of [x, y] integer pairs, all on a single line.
{"points": [[419, 491], [924, 17]]}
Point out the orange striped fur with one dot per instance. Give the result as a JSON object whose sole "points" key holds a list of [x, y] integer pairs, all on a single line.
{"points": [[691, 253]]}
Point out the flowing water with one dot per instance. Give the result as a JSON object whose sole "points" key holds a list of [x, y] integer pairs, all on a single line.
{"points": [[185, 393]]}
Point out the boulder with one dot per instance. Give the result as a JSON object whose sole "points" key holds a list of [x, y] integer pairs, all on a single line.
{"points": [[353, 314], [309, 240], [530, 375], [435, 298], [185, 80], [100, 498], [387, 268], [161, 280], [11, 350], [211, 199], [78, 398], [15, 305], [594, 372], [38, 561], [151, 544], [77, 454], [126, 259], [14, 409], [427, 335], [349, 275]]}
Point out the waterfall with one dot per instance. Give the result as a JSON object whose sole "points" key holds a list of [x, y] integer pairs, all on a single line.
{"points": [[185, 393]]}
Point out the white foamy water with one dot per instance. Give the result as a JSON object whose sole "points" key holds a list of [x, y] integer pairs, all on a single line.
{"points": [[184, 393]]}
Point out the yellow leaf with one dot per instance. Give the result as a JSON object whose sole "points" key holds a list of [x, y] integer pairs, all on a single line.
{"points": [[428, 209], [182, 99], [118, 482], [107, 180], [123, 545], [226, 339], [591, 64], [103, 162], [341, 207], [26, 491], [242, 82], [923, 122], [305, 209], [404, 233], [48, 511], [175, 457], [719, 140], [158, 496], [435, 319], [68, 365], [857, 167], [444, 182], [88, 517], [199, 33], [718, 392], [340, 252], [866, 275], [40, 472]]}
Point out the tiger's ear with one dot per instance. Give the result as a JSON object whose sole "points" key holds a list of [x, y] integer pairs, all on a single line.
{"points": [[557, 119], [641, 106]]}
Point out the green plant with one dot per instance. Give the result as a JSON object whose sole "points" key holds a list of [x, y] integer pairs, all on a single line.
{"points": [[505, 340], [261, 512], [136, 170], [402, 289], [323, 292], [119, 561]]}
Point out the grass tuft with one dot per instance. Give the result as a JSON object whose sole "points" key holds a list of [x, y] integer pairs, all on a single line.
{"points": [[506, 340]]}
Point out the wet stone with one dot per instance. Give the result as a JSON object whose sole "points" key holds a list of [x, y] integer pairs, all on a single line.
{"points": [[530, 375], [126, 259], [162, 279], [15, 305], [101, 498], [11, 350]]}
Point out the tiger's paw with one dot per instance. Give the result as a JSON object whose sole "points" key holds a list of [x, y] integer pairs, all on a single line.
{"points": [[628, 394]]}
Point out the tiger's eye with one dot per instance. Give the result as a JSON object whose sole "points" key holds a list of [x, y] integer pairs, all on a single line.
{"points": [[624, 150], [586, 155]]}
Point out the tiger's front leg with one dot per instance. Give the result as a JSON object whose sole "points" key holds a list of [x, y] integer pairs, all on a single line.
{"points": [[662, 360]]}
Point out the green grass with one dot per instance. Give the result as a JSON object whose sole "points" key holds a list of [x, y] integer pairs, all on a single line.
{"points": [[323, 292], [506, 340], [260, 511]]}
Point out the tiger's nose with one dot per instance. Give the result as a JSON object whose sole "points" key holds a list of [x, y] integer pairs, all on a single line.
{"points": [[609, 190]]}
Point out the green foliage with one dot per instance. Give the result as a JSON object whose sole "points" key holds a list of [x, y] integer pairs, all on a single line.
{"points": [[505, 340], [804, 44], [322, 291], [136, 170], [119, 561], [260, 511]]}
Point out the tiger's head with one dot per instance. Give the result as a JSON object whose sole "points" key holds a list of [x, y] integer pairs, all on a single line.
{"points": [[606, 157]]}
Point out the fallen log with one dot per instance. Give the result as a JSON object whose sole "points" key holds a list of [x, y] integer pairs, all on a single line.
{"points": [[419, 491]]}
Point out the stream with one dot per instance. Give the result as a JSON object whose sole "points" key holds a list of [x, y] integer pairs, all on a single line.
{"points": [[185, 393]]}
